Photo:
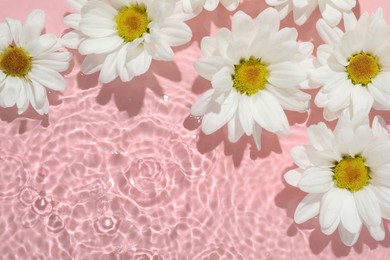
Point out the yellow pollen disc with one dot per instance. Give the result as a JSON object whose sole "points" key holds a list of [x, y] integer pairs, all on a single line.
{"points": [[15, 61], [250, 76], [132, 22], [362, 68], [351, 173]]}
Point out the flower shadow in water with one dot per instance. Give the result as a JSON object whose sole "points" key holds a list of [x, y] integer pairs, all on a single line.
{"points": [[290, 197], [207, 143], [129, 96], [11, 114]]}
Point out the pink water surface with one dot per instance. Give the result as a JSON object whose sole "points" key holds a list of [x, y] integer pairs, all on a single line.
{"points": [[121, 171]]}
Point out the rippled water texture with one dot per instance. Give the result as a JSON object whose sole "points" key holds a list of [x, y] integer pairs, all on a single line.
{"points": [[121, 171]]}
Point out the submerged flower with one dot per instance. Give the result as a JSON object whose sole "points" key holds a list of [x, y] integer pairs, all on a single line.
{"points": [[30, 62], [332, 11], [255, 71], [121, 37], [346, 173], [353, 66], [196, 6]]}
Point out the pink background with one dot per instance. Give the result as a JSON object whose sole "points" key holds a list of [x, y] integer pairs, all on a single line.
{"points": [[121, 171]]}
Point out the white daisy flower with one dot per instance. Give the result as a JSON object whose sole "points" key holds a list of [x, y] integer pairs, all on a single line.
{"points": [[353, 66], [331, 10], [30, 62], [346, 173], [196, 6], [121, 37], [255, 71]]}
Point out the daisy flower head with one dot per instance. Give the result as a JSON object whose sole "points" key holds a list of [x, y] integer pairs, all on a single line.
{"points": [[331, 10], [353, 67], [196, 6], [255, 71], [30, 63], [346, 175], [121, 37]]}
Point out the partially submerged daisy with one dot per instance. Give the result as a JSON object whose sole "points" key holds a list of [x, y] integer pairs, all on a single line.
{"points": [[255, 72], [121, 37], [353, 66], [196, 6], [346, 173], [29, 63], [332, 11]]}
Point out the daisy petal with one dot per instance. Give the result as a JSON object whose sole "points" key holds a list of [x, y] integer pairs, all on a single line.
{"points": [[292, 177], [199, 108], [321, 137], [100, 45], [368, 206], [330, 207], [235, 130], [316, 180], [379, 128], [349, 214], [34, 25], [299, 155], [378, 232], [308, 208], [213, 121], [348, 238], [47, 77]]}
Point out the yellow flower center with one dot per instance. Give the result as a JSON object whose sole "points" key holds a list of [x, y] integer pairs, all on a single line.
{"points": [[132, 22], [351, 173], [250, 76], [15, 61], [362, 68]]}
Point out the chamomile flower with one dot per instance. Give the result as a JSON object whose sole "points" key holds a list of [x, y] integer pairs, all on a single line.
{"points": [[353, 66], [346, 173], [255, 71], [196, 6], [121, 37], [30, 63], [331, 10]]}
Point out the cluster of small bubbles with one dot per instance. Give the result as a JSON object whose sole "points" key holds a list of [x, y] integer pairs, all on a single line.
{"points": [[165, 98], [40, 206]]}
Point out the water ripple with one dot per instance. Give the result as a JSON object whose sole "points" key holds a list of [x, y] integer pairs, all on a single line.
{"points": [[13, 175]]}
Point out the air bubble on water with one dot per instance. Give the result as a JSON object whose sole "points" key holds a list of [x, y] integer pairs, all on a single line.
{"points": [[107, 222], [42, 205]]}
